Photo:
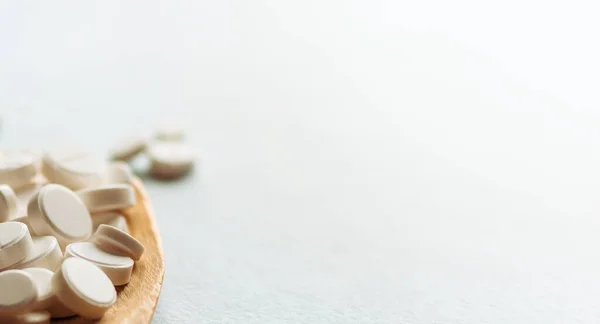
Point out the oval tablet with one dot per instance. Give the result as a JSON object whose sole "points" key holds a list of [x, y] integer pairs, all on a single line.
{"points": [[108, 197], [18, 293], [46, 253], [170, 159], [56, 210], [8, 203], [114, 240], [17, 168], [117, 268], [110, 218], [84, 288], [15, 243]]}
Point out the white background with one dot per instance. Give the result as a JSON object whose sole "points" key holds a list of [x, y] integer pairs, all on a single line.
{"points": [[360, 161]]}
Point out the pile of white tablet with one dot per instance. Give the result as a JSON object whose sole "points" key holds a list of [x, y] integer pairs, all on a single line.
{"points": [[64, 244]]}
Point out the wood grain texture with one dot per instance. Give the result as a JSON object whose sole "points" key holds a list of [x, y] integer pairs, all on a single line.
{"points": [[137, 300]]}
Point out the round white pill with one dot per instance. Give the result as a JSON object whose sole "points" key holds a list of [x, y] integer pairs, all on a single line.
{"points": [[170, 159], [73, 169], [17, 168], [9, 203], [46, 254], [18, 293], [47, 299], [118, 172], [117, 268], [15, 243], [56, 210], [108, 197], [110, 218], [84, 288], [114, 240], [129, 148]]}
